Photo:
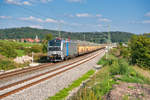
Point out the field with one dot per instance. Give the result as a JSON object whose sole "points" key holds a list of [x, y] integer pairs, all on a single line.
{"points": [[10, 50], [20, 52]]}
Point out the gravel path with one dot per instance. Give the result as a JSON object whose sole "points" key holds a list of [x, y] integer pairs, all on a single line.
{"points": [[51, 86]]}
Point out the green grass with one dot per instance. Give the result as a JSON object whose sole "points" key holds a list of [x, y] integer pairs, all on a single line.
{"points": [[20, 43], [27, 44], [108, 61], [138, 78], [101, 83], [63, 93], [127, 72], [125, 97], [19, 47], [6, 64], [131, 87], [20, 53]]}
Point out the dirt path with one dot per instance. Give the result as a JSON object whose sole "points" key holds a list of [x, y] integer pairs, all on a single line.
{"points": [[129, 91]]}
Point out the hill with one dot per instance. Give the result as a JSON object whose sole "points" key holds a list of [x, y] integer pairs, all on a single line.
{"points": [[99, 37]]}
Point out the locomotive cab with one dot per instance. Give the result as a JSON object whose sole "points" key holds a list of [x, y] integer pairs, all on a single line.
{"points": [[55, 50]]}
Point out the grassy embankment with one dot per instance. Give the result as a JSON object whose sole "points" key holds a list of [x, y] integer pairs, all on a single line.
{"points": [[65, 92], [101, 83], [9, 50], [18, 46]]}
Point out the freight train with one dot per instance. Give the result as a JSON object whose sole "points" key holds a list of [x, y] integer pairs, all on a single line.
{"points": [[59, 49]]}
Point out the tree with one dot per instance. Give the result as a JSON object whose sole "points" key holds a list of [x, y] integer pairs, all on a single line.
{"points": [[140, 50], [8, 51], [26, 32], [35, 49], [45, 42], [48, 37]]}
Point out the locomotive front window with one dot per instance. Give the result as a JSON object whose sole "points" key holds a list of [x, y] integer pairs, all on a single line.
{"points": [[55, 43], [54, 48]]}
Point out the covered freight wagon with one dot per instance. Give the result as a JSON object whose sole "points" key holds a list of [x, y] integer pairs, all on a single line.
{"points": [[59, 50]]}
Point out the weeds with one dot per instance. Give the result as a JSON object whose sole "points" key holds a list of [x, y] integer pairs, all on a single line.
{"points": [[63, 93], [100, 84]]}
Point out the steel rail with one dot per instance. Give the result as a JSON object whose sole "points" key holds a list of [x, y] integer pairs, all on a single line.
{"points": [[36, 76], [43, 79], [24, 70]]}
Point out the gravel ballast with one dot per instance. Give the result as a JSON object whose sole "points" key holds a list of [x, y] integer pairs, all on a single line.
{"points": [[53, 85]]}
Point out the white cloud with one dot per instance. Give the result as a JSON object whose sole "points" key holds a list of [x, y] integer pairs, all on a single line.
{"points": [[70, 16], [147, 14], [83, 15], [36, 26], [104, 20], [45, 1], [99, 25], [140, 22], [31, 18], [62, 21], [5, 17], [98, 15], [50, 20], [75, 0], [18, 2], [75, 24], [26, 3], [146, 22]]}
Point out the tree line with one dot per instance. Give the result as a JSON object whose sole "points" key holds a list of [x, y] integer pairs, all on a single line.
{"points": [[97, 37], [138, 50]]}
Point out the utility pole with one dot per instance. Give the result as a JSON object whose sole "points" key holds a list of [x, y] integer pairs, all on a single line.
{"points": [[109, 37], [108, 42], [93, 37], [32, 57], [59, 29], [84, 36]]}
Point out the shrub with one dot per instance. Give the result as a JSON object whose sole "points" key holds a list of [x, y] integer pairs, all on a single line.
{"points": [[119, 66], [123, 66], [8, 51], [35, 49], [6, 64], [139, 48], [114, 68]]}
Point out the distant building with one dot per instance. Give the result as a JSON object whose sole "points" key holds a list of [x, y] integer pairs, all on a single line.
{"points": [[37, 40]]}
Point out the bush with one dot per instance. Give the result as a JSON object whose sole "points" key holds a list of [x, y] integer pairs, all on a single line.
{"points": [[8, 50], [123, 66], [114, 68], [6, 65], [110, 59], [139, 48], [119, 66], [35, 49]]}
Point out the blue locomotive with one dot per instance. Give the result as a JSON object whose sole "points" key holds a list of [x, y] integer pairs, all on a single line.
{"points": [[59, 49]]}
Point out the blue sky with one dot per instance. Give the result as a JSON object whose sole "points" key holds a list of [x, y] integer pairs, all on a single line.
{"points": [[77, 15]]}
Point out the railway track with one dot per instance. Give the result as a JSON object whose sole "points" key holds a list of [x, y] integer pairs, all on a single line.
{"points": [[24, 70], [18, 76], [29, 69], [23, 84]]}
